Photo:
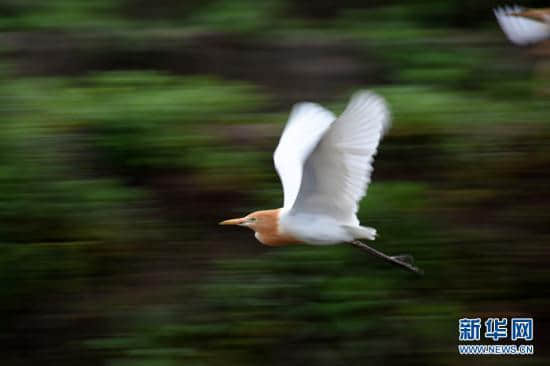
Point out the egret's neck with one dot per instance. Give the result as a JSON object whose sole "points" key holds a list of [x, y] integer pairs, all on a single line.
{"points": [[268, 229]]}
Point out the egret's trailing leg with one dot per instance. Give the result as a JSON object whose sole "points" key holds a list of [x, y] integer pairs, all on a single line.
{"points": [[405, 261]]}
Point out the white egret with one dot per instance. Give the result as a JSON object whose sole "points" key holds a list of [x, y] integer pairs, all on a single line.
{"points": [[524, 26], [325, 164]]}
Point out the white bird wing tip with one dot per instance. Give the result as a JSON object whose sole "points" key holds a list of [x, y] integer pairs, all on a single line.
{"points": [[369, 96]]}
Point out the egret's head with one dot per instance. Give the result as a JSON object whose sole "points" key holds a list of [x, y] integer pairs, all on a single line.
{"points": [[257, 221]]}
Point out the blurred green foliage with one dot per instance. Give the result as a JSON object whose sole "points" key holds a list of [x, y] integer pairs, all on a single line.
{"points": [[130, 127]]}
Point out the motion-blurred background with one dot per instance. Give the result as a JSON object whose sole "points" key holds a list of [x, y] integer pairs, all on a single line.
{"points": [[129, 128]]}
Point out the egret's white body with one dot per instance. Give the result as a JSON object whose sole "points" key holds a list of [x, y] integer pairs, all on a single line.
{"points": [[522, 26], [315, 229]]}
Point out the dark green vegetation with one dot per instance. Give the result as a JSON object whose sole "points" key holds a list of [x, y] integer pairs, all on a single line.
{"points": [[129, 128]]}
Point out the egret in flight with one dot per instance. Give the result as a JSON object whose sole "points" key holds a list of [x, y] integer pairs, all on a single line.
{"points": [[325, 164], [524, 26]]}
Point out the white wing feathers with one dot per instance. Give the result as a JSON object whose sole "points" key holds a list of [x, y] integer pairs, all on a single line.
{"points": [[521, 30], [306, 125], [338, 171], [334, 177]]}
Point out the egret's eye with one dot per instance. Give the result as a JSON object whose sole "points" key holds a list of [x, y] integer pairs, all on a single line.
{"points": [[252, 219]]}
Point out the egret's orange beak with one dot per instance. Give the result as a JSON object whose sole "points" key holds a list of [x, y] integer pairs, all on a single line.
{"points": [[239, 221]]}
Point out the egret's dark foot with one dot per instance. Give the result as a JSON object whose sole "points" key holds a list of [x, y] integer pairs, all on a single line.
{"points": [[404, 260], [407, 261]]}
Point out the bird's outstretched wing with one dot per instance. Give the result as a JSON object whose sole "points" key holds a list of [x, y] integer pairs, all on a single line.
{"points": [[306, 125], [337, 172], [519, 29]]}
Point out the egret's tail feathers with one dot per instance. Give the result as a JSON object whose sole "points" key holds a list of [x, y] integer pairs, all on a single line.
{"points": [[362, 232]]}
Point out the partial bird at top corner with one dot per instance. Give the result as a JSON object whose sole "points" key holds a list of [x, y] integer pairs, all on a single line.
{"points": [[524, 26]]}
